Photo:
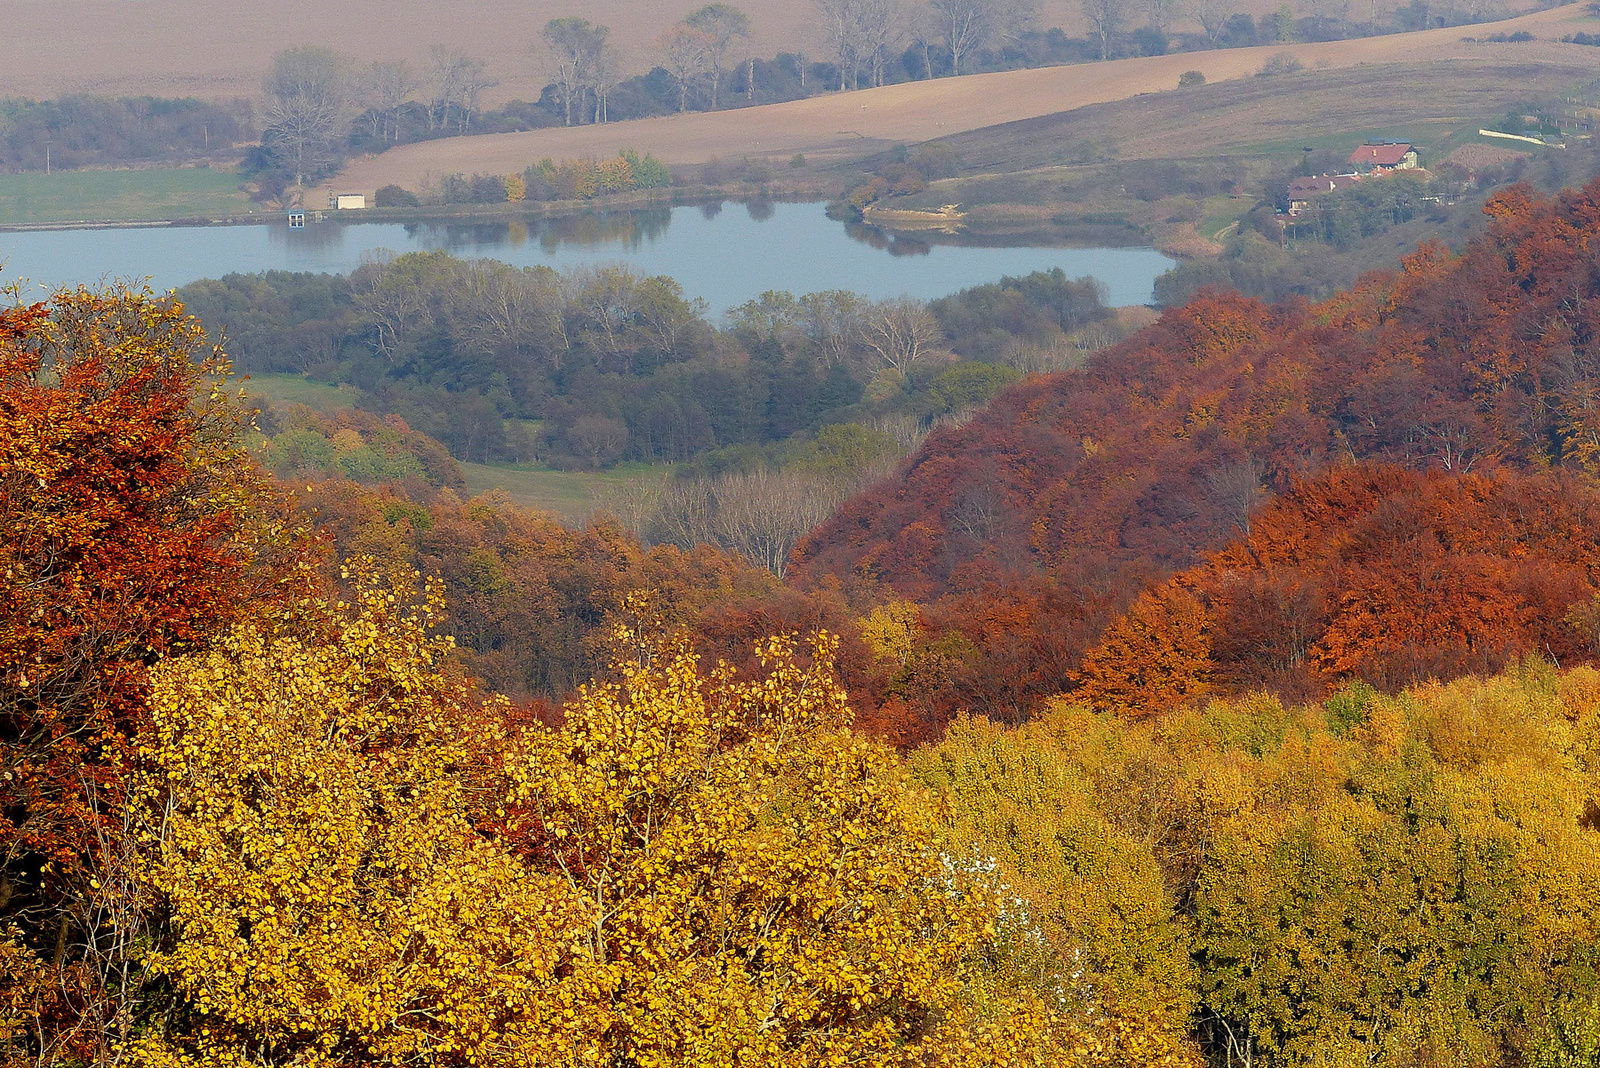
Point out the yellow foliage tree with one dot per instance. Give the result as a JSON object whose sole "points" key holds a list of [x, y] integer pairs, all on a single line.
{"points": [[363, 865], [1091, 916], [309, 825]]}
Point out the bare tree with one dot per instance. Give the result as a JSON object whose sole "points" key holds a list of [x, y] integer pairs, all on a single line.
{"points": [[505, 309], [1160, 13], [900, 331], [877, 28], [474, 79], [446, 78], [838, 28], [831, 320], [966, 25], [721, 23], [685, 52], [573, 44], [1106, 19], [605, 74], [1212, 18], [308, 96], [389, 86]]}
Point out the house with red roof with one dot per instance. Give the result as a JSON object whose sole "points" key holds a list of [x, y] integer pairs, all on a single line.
{"points": [[1383, 157]]}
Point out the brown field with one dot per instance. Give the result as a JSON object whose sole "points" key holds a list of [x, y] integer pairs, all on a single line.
{"points": [[220, 48], [856, 123]]}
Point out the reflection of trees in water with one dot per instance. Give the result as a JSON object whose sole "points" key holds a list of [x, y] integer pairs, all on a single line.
{"points": [[894, 244], [629, 228], [760, 210], [711, 210]]}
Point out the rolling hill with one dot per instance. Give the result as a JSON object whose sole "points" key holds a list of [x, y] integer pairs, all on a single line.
{"points": [[857, 123]]}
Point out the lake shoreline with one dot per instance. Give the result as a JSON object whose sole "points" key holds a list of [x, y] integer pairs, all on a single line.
{"points": [[985, 225]]}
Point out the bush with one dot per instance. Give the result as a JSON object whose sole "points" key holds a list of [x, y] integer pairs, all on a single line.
{"points": [[1190, 78], [1279, 63], [797, 161], [392, 196]]}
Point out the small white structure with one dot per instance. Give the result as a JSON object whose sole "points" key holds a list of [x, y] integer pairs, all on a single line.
{"points": [[297, 220], [348, 201]]}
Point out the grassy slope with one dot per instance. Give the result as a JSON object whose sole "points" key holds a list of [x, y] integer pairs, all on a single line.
{"points": [[572, 495], [156, 193], [854, 124]]}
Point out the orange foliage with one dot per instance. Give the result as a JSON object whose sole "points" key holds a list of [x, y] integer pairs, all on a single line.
{"points": [[1372, 572], [1156, 452], [1154, 657]]}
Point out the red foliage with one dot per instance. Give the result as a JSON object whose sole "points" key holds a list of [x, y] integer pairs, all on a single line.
{"points": [[1374, 572], [1157, 450]]}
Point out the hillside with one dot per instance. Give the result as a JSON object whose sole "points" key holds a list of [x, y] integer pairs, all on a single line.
{"points": [[220, 50], [856, 123], [1072, 492]]}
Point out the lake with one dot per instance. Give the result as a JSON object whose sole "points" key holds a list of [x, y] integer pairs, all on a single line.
{"points": [[725, 254]]}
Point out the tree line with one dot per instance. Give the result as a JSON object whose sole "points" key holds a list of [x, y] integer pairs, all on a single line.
{"points": [[591, 367], [95, 131]]}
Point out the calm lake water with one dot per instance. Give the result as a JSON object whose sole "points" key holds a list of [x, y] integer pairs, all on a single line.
{"points": [[725, 254]]}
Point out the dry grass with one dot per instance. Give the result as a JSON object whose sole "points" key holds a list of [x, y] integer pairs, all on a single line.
{"points": [[856, 123], [1434, 104]]}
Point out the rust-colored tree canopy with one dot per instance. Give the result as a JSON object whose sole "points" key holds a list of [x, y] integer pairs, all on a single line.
{"points": [[1090, 485]]}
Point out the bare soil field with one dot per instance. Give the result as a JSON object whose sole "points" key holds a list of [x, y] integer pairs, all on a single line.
{"points": [[220, 48], [849, 124]]}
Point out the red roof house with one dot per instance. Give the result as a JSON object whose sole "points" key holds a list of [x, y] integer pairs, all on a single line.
{"points": [[1389, 156]]}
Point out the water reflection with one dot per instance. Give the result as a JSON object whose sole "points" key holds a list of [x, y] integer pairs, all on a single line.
{"points": [[724, 257], [890, 241]]}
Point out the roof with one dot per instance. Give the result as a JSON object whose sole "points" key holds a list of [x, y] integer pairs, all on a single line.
{"points": [[1385, 155], [1301, 188]]}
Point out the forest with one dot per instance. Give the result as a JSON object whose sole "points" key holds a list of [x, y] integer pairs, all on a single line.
{"points": [[1227, 699]]}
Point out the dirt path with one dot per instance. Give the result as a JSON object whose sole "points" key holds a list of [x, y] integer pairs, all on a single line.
{"points": [[849, 123]]}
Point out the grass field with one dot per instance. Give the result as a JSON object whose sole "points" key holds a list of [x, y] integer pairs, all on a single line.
{"points": [[297, 389], [569, 494], [90, 196]]}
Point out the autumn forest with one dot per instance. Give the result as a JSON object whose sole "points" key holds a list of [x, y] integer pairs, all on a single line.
{"points": [[1230, 699]]}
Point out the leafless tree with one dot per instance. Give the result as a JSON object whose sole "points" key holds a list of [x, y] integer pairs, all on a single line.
{"points": [[1212, 18], [1106, 19], [878, 28], [685, 53], [721, 23], [970, 25], [572, 45], [1237, 488], [1160, 13], [447, 75], [308, 96], [831, 320], [390, 300], [505, 309], [899, 332], [388, 87]]}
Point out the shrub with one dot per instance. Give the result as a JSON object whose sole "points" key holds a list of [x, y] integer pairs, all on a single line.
{"points": [[1279, 63], [1190, 78], [392, 196], [797, 161]]}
